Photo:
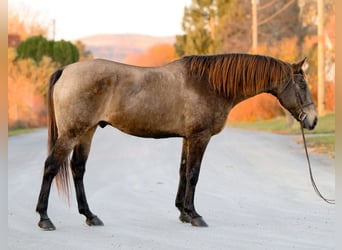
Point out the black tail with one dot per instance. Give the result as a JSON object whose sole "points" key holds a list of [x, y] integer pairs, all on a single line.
{"points": [[62, 177]]}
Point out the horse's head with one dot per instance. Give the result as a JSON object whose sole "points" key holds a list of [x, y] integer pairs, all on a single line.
{"points": [[295, 96]]}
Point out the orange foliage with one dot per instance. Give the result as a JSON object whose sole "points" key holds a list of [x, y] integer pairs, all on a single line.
{"points": [[157, 55], [27, 85], [285, 50], [260, 107], [329, 95], [27, 82], [26, 108]]}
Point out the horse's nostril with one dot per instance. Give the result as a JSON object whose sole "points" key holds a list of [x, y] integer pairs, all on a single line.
{"points": [[315, 122]]}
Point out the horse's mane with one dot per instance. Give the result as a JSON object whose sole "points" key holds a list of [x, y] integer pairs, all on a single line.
{"points": [[231, 74]]}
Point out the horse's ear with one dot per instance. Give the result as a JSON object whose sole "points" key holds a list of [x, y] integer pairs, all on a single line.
{"points": [[298, 67]]}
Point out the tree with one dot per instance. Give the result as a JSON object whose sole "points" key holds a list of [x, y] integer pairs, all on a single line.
{"points": [[277, 19], [61, 52], [27, 87], [233, 30], [34, 47], [64, 52], [198, 25]]}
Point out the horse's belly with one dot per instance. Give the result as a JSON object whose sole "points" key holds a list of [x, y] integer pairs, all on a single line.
{"points": [[151, 133], [143, 125]]}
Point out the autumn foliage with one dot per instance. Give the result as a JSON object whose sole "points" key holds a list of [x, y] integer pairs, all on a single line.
{"points": [[27, 85], [157, 55]]}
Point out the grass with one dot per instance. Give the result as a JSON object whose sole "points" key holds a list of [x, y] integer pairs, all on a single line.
{"points": [[321, 139], [322, 144], [325, 125], [19, 131]]}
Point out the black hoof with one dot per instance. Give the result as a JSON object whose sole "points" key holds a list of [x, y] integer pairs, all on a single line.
{"points": [[198, 222], [46, 225], [185, 218], [95, 221]]}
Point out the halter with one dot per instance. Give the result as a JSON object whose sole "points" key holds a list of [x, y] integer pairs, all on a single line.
{"points": [[301, 113]]}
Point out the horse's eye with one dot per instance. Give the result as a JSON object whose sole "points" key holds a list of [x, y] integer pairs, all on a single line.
{"points": [[302, 85]]}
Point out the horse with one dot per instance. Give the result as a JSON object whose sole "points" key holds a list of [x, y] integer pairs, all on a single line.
{"points": [[189, 98]]}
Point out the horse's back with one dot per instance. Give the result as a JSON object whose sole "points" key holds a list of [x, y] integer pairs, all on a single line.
{"points": [[134, 99]]}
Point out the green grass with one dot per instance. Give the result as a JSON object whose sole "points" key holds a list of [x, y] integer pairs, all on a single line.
{"points": [[326, 124], [321, 139], [277, 125], [19, 131], [322, 144]]}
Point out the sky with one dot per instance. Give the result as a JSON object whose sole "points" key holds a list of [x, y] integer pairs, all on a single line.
{"points": [[77, 19]]}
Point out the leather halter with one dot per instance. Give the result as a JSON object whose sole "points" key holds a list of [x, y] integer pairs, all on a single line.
{"points": [[301, 113]]}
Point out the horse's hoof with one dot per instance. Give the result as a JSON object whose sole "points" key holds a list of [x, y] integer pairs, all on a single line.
{"points": [[95, 221], [198, 222], [46, 225], [185, 218]]}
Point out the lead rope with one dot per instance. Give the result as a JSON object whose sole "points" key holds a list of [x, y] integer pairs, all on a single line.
{"points": [[330, 201]]}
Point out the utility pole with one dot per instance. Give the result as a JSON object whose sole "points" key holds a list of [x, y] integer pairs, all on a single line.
{"points": [[53, 29], [254, 26], [321, 64]]}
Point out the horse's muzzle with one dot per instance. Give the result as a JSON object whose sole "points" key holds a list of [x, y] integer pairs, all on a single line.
{"points": [[309, 124]]}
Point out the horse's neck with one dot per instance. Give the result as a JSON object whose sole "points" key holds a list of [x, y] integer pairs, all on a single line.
{"points": [[251, 93]]}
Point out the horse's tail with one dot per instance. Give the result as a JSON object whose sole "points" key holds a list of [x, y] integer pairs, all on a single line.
{"points": [[62, 177]]}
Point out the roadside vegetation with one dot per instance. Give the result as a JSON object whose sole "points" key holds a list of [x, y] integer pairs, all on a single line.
{"points": [[19, 131], [321, 139]]}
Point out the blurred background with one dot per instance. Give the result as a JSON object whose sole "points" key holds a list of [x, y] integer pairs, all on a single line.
{"points": [[44, 35]]}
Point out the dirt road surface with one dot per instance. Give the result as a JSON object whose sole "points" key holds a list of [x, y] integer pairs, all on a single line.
{"points": [[254, 192]]}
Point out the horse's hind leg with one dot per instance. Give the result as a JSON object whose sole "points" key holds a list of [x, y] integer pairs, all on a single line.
{"points": [[78, 162], [57, 157]]}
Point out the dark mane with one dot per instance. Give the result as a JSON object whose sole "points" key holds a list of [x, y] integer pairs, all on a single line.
{"points": [[232, 73]]}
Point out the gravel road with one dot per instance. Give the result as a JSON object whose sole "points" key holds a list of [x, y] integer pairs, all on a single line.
{"points": [[254, 192]]}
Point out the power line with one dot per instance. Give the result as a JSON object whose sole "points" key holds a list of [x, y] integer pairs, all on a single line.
{"points": [[267, 5], [276, 13]]}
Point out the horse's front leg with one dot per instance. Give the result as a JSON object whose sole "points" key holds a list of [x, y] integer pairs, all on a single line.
{"points": [[195, 148], [184, 217]]}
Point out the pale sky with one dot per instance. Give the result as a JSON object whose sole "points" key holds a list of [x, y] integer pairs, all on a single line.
{"points": [[76, 19]]}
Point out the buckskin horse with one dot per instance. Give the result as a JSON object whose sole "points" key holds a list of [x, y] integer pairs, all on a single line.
{"points": [[190, 98]]}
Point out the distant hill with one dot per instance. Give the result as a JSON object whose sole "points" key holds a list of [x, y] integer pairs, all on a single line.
{"points": [[118, 46]]}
